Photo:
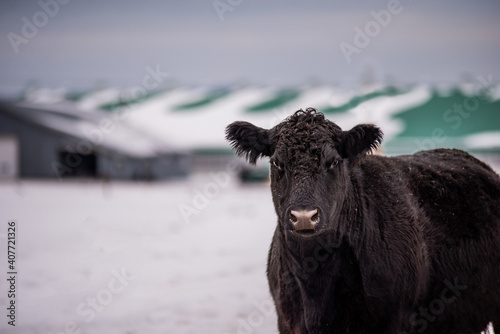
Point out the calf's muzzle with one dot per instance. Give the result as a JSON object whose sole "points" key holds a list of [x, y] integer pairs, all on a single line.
{"points": [[304, 220]]}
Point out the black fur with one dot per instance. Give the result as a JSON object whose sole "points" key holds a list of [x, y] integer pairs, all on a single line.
{"points": [[360, 140], [249, 140], [407, 244]]}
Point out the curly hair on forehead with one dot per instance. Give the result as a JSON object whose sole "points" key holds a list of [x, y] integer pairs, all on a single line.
{"points": [[302, 139], [310, 115], [309, 119]]}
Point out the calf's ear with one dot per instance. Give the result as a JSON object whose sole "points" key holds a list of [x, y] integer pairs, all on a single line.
{"points": [[249, 140], [360, 140]]}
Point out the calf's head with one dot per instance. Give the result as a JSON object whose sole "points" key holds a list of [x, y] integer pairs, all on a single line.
{"points": [[311, 159]]}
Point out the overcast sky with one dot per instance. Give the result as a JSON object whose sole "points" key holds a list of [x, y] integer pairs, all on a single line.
{"points": [[284, 42]]}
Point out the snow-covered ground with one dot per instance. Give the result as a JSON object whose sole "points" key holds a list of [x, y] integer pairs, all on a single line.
{"points": [[121, 258], [181, 257]]}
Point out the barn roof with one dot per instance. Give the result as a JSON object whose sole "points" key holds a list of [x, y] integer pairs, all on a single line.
{"points": [[194, 118], [106, 131]]}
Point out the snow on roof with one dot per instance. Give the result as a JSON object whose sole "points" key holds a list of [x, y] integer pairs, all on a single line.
{"points": [[201, 127], [483, 140], [192, 118], [93, 100]]}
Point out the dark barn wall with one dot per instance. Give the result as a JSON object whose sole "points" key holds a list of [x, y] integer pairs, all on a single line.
{"points": [[38, 148], [173, 165], [47, 153], [169, 166], [115, 166]]}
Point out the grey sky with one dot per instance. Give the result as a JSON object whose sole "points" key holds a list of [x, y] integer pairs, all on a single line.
{"points": [[263, 42]]}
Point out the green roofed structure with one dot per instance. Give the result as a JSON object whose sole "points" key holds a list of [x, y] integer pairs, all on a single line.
{"points": [[445, 121], [207, 99], [124, 102], [358, 99], [279, 99], [457, 114]]}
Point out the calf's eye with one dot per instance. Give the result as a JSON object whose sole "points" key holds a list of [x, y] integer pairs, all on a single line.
{"points": [[335, 163], [276, 165]]}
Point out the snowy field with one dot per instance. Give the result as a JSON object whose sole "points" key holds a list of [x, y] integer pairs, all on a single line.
{"points": [[122, 258]]}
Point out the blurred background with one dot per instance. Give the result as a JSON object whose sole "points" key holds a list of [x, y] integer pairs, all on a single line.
{"points": [[112, 149]]}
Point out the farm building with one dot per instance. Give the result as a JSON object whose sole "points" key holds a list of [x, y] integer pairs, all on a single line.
{"points": [[59, 141], [47, 133], [413, 118]]}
